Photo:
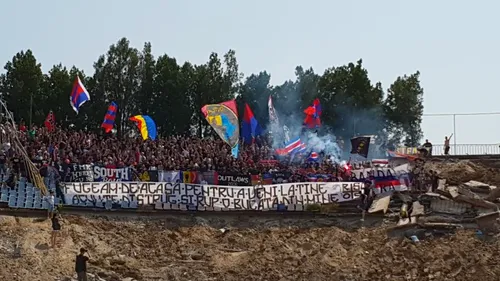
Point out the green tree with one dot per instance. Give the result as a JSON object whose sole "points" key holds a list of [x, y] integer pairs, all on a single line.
{"points": [[172, 110], [144, 99], [403, 108], [213, 84], [307, 84], [351, 104], [55, 90], [21, 87], [255, 91], [117, 79], [173, 94]]}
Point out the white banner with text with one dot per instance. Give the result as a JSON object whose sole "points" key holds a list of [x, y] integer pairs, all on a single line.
{"points": [[263, 197]]}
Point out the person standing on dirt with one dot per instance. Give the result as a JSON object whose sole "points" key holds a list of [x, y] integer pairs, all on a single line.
{"points": [[81, 265], [56, 229], [366, 198], [51, 202], [447, 144]]}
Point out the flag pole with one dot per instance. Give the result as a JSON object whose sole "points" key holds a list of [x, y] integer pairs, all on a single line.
{"points": [[31, 109]]}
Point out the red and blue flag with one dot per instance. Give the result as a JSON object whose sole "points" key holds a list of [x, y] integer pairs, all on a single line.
{"points": [[250, 127], [292, 146], [314, 156], [313, 114], [79, 95], [109, 118]]}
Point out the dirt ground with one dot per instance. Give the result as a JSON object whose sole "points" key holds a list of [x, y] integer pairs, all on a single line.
{"points": [[189, 247], [466, 170], [252, 249]]}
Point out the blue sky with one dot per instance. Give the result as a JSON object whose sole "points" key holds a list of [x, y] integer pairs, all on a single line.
{"points": [[454, 44]]}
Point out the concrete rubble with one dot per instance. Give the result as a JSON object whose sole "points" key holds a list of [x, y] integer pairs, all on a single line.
{"points": [[473, 204]]}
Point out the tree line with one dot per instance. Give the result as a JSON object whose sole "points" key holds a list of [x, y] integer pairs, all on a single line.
{"points": [[172, 93]]}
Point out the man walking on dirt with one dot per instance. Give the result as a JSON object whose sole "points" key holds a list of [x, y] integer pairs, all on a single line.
{"points": [[81, 265]]}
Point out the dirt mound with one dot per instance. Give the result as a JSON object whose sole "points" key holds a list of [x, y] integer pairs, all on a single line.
{"points": [[466, 170], [162, 249]]}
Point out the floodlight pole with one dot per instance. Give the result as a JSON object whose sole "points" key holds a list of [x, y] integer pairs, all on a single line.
{"points": [[454, 134]]}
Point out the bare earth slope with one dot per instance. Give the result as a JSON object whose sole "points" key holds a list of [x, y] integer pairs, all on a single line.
{"points": [[466, 170], [256, 249]]}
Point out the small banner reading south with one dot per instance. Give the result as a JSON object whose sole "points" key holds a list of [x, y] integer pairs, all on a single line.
{"points": [[234, 179], [360, 146], [96, 173]]}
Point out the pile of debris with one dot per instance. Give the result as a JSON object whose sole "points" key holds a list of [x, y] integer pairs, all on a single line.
{"points": [[450, 207]]}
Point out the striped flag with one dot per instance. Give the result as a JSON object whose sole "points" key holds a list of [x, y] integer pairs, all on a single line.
{"points": [[109, 118], [313, 156], [292, 146], [79, 95]]}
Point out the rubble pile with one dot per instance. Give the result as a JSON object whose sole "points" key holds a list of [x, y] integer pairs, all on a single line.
{"points": [[459, 199], [463, 171]]}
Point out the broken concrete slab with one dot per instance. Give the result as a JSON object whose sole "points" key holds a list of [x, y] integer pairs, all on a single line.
{"points": [[440, 225], [489, 222], [441, 184], [404, 221], [417, 209], [381, 202], [476, 187], [443, 219], [493, 195], [432, 195], [449, 207], [462, 195], [477, 184]]}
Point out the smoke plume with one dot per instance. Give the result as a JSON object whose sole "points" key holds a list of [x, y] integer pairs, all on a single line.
{"points": [[350, 121]]}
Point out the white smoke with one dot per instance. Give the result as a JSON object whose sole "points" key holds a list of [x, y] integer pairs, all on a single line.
{"points": [[326, 144]]}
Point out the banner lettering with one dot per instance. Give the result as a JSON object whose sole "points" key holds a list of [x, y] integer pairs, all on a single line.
{"points": [[97, 173], [234, 180], [204, 196]]}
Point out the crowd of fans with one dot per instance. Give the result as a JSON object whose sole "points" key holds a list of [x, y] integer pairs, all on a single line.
{"points": [[59, 148]]}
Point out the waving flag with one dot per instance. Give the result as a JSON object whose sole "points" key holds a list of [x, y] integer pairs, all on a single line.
{"points": [[50, 122], [302, 148], [146, 125], [273, 117], [223, 117], [292, 146], [360, 145], [313, 157], [313, 114], [79, 95], [250, 128], [109, 118]]}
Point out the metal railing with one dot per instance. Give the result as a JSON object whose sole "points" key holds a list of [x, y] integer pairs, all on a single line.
{"points": [[458, 149]]}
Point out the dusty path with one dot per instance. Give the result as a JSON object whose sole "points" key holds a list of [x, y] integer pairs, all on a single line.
{"points": [[194, 248]]}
